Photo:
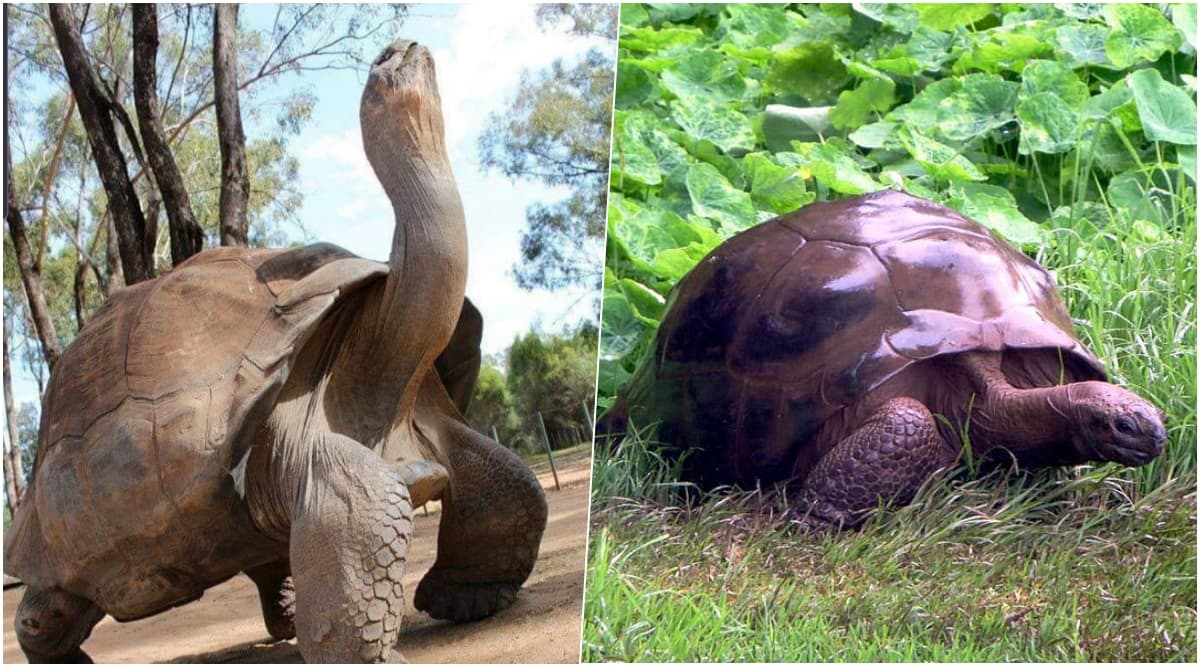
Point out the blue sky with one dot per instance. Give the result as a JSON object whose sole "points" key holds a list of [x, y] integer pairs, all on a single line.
{"points": [[480, 51]]}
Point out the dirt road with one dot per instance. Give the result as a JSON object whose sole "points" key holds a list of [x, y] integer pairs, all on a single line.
{"points": [[226, 625]]}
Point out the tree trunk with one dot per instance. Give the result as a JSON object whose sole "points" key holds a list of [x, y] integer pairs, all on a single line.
{"points": [[235, 182], [116, 277], [97, 120], [187, 237], [14, 483], [31, 273]]}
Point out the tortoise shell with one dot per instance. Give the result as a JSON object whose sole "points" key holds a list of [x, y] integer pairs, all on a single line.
{"points": [[788, 323], [153, 405]]}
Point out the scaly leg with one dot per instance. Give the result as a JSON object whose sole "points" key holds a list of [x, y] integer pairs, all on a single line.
{"points": [[888, 458], [493, 517], [350, 532]]}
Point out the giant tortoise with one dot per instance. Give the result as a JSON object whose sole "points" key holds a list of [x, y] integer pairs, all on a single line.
{"points": [[280, 413], [819, 350]]}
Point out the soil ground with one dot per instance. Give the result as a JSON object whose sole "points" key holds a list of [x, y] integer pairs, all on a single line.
{"points": [[226, 624]]}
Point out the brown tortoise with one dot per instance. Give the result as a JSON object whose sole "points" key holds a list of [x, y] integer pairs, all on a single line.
{"points": [[816, 349], [280, 412]]}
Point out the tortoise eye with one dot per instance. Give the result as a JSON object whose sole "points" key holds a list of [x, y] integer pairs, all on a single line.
{"points": [[1125, 426]]}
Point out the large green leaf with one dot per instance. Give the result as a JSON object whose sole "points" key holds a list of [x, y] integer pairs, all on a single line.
{"points": [[715, 198], [922, 110], [1139, 195], [1139, 33], [620, 330], [835, 169], [631, 158], [1166, 111], [1001, 50], [1184, 18], [646, 304], [983, 103], [1047, 76], [875, 135], [994, 208], [1048, 125], [949, 16], [634, 85], [811, 70], [750, 26], [704, 75], [724, 127], [1082, 44], [937, 159], [774, 187], [898, 16], [649, 39], [854, 107]]}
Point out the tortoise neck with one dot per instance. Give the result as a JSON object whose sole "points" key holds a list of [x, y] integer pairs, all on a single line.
{"points": [[1036, 425], [426, 278]]}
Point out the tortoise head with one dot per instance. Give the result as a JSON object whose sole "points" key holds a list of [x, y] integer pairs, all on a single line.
{"points": [[1115, 424], [401, 112]]}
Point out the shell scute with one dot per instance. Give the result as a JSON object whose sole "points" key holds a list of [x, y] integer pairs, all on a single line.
{"points": [[194, 330]]}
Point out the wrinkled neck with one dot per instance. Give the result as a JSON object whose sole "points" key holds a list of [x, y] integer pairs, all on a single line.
{"points": [[428, 268], [1037, 425]]}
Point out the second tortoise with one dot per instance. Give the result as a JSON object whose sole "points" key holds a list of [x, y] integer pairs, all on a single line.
{"points": [[819, 349]]}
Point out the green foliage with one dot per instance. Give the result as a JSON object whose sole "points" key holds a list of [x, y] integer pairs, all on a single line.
{"points": [[554, 374], [1042, 567]]}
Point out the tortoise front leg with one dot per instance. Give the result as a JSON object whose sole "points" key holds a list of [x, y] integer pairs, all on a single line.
{"points": [[348, 517], [493, 517], [887, 459], [278, 597]]}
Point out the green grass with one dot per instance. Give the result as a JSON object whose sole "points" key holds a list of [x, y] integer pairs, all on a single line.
{"points": [[1045, 566]]}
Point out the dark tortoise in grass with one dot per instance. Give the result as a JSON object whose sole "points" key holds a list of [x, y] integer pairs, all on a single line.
{"points": [[818, 349], [280, 413]]}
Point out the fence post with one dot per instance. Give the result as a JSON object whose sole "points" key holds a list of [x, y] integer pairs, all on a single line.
{"points": [[587, 418], [546, 442]]}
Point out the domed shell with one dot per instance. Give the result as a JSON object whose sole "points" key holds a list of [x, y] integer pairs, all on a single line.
{"points": [[788, 322], [149, 409]]}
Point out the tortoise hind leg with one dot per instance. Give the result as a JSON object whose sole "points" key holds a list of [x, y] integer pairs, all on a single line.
{"points": [[278, 597], [888, 458], [493, 517], [52, 624]]}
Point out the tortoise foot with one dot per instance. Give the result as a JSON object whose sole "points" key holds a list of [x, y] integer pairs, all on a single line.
{"points": [[447, 600]]}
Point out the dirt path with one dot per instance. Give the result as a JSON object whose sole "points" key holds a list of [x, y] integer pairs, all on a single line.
{"points": [[226, 624]]}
